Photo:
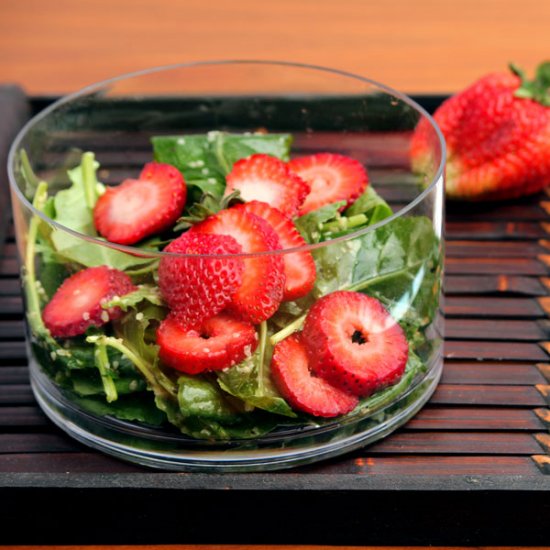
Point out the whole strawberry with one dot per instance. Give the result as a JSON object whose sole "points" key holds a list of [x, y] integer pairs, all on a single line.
{"points": [[498, 137]]}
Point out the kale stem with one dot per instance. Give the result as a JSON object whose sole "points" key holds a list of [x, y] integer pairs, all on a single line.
{"points": [[343, 223], [148, 268], [29, 176], [89, 179], [218, 150], [103, 366], [361, 285], [34, 314], [158, 381], [288, 330], [261, 351]]}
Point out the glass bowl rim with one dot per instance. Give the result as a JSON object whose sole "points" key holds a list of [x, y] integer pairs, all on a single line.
{"points": [[148, 71]]}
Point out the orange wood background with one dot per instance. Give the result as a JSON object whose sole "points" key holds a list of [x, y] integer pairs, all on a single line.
{"points": [[59, 46]]}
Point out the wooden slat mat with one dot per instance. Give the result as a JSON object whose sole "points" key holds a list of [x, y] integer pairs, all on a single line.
{"points": [[489, 414], [486, 426]]}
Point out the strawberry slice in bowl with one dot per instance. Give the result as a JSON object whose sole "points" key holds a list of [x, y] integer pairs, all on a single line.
{"points": [[354, 343], [138, 208], [332, 178], [263, 279], [299, 266], [221, 342], [265, 178], [78, 302], [303, 390]]}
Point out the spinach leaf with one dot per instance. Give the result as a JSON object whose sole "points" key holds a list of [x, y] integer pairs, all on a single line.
{"points": [[88, 382], [205, 160], [251, 382], [203, 411], [52, 273], [201, 397], [138, 407], [372, 205], [335, 264], [74, 205], [400, 264]]}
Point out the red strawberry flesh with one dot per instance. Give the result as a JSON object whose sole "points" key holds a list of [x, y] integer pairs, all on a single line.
{"points": [[268, 179], [303, 390], [332, 178], [354, 343], [202, 283], [261, 290], [138, 208], [299, 266], [78, 302], [221, 342]]}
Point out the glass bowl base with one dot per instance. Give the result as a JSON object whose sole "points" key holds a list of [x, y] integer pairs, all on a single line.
{"points": [[170, 450]]}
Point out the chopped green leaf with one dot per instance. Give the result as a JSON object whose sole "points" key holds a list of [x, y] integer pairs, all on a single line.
{"points": [[310, 225], [144, 293], [372, 205]]}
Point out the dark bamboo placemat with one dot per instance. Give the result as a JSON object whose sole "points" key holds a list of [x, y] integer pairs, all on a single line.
{"points": [[479, 446]]}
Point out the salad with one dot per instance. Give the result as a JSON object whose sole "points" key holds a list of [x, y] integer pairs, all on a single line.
{"points": [[228, 335]]}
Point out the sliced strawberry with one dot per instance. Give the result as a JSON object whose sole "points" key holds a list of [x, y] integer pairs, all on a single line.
{"points": [[354, 343], [299, 266], [263, 280], [332, 178], [268, 179], [138, 208], [303, 390], [221, 342], [202, 281], [77, 303]]}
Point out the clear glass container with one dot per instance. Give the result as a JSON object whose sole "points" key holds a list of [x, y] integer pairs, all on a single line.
{"points": [[131, 405]]}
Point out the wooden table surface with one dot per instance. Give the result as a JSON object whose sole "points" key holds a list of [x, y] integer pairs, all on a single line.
{"points": [[424, 46]]}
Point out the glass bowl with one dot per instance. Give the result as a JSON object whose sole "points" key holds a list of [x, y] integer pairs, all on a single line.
{"points": [[106, 387]]}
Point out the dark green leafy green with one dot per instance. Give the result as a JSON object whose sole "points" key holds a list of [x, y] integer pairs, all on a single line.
{"points": [[372, 205], [203, 411], [88, 382], [251, 381], [138, 407], [201, 397], [399, 264]]}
